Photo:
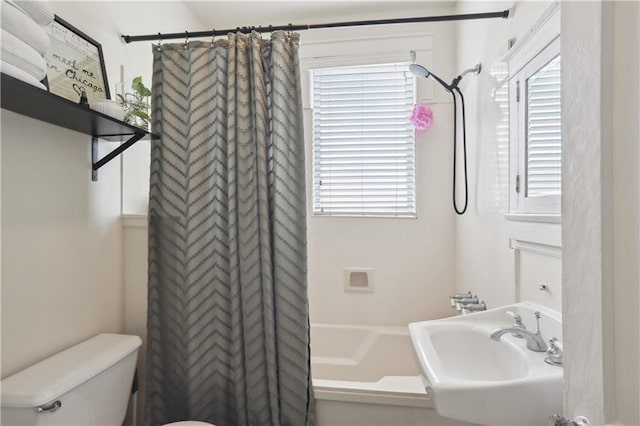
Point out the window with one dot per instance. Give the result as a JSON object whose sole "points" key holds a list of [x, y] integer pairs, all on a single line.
{"points": [[363, 143], [536, 135], [543, 131]]}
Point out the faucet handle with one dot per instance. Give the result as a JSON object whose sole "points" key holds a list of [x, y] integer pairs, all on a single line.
{"points": [[459, 296], [517, 323], [558, 420], [556, 344], [461, 304], [517, 320], [537, 314], [554, 353], [467, 300], [473, 307]]}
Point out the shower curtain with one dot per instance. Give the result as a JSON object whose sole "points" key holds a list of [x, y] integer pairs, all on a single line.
{"points": [[228, 327]]}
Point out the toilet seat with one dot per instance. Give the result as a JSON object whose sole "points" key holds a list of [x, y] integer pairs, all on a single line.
{"points": [[189, 423]]}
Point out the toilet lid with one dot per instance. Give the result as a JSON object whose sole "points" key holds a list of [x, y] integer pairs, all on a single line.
{"points": [[189, 423]]}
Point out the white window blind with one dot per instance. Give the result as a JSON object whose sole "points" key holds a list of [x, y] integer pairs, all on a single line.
{"points": [[544, 131], [363, 142]]}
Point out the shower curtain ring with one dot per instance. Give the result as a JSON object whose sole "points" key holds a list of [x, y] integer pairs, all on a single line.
{"points": [[159, 46], [186, 39], [213, 36]]}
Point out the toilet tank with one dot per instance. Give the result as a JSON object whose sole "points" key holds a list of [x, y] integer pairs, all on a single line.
{"points": [[88, 384]]}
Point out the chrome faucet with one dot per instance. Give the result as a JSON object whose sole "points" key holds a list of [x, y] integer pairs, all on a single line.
{"points": [[535, 342]]}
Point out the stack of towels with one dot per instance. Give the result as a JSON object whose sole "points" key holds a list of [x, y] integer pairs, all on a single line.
{"points": [[25, 39]]}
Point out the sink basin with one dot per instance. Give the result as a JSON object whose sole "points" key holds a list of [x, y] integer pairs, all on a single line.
{"points": [[473, 378], [490, 362]]}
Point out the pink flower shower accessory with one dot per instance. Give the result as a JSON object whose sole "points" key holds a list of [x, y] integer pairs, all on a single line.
{"points": [[421, 117]]}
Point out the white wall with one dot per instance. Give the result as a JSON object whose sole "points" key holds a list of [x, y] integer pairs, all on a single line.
{"points": [[412, 260], [61, 236], [485, 263]]}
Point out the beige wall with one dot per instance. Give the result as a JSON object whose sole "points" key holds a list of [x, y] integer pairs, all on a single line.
{"points": [[626, 210], [61, 236], [61, 265], [134, 243]]}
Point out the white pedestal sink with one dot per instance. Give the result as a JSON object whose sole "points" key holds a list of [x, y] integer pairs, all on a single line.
{"points": [[473, 378]]}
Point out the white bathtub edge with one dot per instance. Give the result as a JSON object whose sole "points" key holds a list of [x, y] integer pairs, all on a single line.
{"points": [[372, 398], [406, 391]]}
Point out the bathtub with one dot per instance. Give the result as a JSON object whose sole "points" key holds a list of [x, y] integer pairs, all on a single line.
{"points": [[368, 376]]}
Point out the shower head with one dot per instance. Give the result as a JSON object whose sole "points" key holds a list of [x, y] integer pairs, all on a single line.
{"points": [[420, 71]]}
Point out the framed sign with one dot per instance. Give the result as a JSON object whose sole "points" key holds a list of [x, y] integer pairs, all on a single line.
{"points": [[75, 62]]}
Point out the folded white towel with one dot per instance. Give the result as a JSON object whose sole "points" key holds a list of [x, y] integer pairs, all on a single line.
{"points": [[39, 11], [16, 72], [24, 27], [17, 53]]}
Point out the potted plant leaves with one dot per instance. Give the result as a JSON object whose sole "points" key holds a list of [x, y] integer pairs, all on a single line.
{"points": [[136, 104]]}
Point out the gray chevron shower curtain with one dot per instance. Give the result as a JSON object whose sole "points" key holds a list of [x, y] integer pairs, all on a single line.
{"points": [[228, 327]]}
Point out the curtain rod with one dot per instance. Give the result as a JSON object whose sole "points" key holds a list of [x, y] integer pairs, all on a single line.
{"points": [[260, 29]]}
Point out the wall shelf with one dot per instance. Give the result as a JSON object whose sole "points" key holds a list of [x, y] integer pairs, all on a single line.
{"points": [[22, 98]]}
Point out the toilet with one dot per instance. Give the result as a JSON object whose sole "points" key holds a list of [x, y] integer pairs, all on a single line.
{"points": [[86, 385]]}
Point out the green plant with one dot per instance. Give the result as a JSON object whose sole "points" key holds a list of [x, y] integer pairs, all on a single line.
{"points": [[136, 104]]}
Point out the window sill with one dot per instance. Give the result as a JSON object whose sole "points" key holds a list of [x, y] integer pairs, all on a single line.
{"points": [[527, 217], [134, 220], [363, 216], [534, 247]]}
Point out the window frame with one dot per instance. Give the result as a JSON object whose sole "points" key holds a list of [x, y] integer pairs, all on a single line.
{"points": [[541, 41], [340, 62], [520, 202]]}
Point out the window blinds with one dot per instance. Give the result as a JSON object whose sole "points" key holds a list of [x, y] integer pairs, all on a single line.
{"points": [[363, 143], [544, 131]]}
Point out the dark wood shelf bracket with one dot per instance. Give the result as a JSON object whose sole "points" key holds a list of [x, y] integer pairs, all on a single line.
{"points": [[96, 164], [22, 98]]}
